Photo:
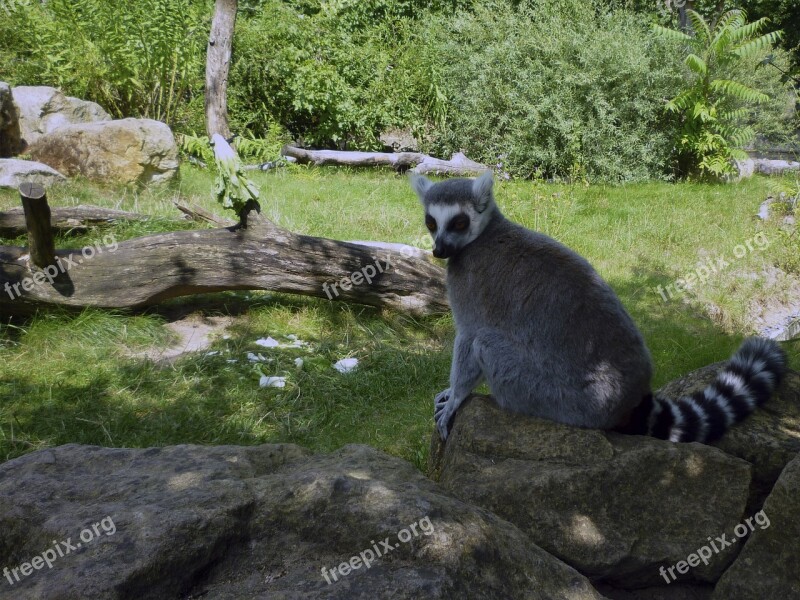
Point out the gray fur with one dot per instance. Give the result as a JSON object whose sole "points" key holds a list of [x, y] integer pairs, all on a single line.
{"points": [[533, 318]]}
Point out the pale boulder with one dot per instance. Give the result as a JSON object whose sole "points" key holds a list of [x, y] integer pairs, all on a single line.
{"points": [[127, 151]]}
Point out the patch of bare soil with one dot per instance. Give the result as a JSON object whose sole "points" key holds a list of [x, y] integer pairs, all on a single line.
{"points": [[193, 333]]}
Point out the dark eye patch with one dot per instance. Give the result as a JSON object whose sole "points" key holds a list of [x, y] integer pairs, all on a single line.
{"points": [[430, 223], [459, 223]]}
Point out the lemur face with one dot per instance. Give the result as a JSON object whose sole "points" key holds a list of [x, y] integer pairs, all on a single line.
{"points": [[455, 210]]}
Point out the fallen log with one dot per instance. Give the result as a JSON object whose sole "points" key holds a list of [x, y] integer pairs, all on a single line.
{"points": [[77, 219], [148, 270], [417, 162]]}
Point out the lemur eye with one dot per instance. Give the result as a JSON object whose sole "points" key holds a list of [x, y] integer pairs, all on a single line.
{"points": [[430, 223], [459, 223]]}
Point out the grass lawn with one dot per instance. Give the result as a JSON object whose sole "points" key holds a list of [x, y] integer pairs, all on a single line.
{"points": [[73, 378]]}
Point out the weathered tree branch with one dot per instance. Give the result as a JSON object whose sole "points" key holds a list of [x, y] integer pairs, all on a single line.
{"points": [[400, 161], [148, 270], [75, 219], [198, 213]]}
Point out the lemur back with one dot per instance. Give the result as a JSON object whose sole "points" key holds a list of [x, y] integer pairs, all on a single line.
{"points": [[552, 338]]}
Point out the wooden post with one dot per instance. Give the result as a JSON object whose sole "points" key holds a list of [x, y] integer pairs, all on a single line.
{"points": [[37, 220]]}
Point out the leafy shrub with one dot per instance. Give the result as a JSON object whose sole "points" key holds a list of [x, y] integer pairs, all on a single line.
{"points": [[556, 89], [334, 75], [143, 59], [713, 104]]}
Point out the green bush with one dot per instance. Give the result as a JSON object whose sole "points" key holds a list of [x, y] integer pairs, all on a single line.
{"points": [[338, 75], [714, 102], [141, 59], [556, 89]]}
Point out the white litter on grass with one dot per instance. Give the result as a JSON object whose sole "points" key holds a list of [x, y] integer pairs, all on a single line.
{"points": [[257, 357], [214, 353], [231, 361], [277, 382], [346, 365], [298, 362], [270, 342]]}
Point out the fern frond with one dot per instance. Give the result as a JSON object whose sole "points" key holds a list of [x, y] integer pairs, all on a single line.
{"points": [[733, 115], [738, 90], [696, 64], [747, 31], [700, 27], [671, 34], [757, 45], [682, 101]]}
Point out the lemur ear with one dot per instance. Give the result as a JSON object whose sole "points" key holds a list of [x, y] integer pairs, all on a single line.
{"points": [[421, 185], [482, 191]]}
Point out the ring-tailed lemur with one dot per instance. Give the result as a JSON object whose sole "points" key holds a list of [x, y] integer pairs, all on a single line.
{"points": [[552, 339]]}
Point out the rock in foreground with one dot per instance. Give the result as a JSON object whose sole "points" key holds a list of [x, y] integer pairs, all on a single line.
{"points": [[613, 506], [230, 523]]}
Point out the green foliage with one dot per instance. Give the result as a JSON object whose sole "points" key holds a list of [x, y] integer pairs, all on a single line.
{"points": [[713, 104], [143, 59], [554, 89], [337, 76], [248, 147], [232, 187]]}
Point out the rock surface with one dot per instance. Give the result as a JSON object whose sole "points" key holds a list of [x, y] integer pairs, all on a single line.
{"points": [[768, 439], [44, 109], [228, 523], [14, 173], [613, 506], [769, 564], [10, 143], [126, 151]]}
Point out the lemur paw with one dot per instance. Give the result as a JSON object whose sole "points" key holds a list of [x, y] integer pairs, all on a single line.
{"points": [[443, 413]]}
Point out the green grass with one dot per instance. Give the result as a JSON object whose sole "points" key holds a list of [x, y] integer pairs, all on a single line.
{"points": [[72, 378]]}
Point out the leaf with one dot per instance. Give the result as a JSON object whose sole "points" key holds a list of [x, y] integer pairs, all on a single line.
{"points": [[696, 64], [757, 45], [700, 27], [671, 34], [738, 90]]}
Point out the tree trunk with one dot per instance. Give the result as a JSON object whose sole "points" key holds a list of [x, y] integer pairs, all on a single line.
{"points": [[218, 62], [148, 270]]}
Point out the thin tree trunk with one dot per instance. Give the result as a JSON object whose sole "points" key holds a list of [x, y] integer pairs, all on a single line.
{"points": [[218, 63]]}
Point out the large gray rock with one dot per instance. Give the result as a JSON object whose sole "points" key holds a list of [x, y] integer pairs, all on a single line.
{"points": [[10, 143], [769, 564], [768, 439], [44, 109], [227, 523], [13, 173], [613, 506], [127, 151], [768, 166]]}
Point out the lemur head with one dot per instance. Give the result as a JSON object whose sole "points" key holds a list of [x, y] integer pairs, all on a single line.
{"points": [[456, 211]]}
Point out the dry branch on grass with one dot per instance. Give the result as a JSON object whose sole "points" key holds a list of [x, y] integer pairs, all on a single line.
{"points": [[148, 270], [417, 162], [75, 219]]}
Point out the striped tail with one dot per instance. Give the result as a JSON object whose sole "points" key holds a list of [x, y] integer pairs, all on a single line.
{"points": [[745, 383]]}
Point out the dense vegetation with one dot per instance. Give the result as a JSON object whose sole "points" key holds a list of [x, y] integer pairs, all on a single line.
{"points": [[541, 88]]}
